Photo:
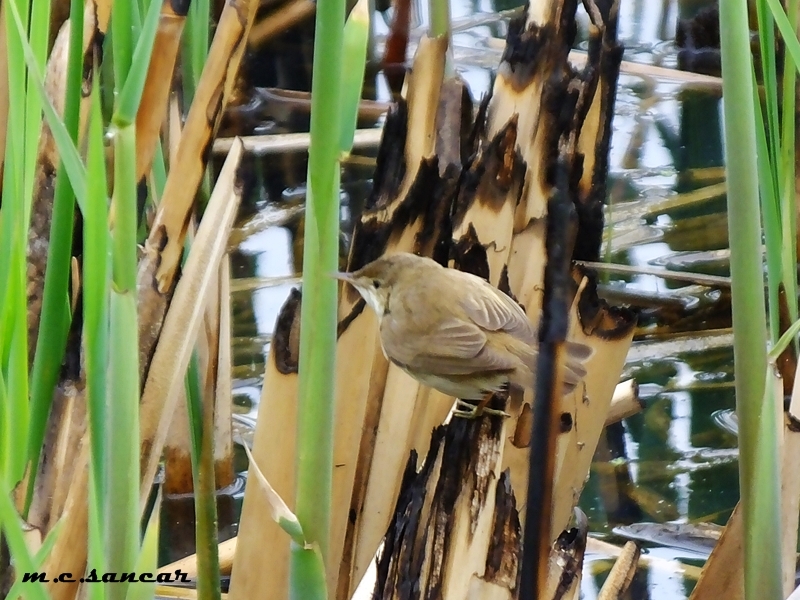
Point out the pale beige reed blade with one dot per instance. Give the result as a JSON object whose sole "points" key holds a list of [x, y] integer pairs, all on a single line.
{"points": [[259, 567], [223, 394], [153, 106], [723, 573], [70, 550], [284, 17], [164, 245], [621, 575], [215, 385], [184, 318], [790, 481]]}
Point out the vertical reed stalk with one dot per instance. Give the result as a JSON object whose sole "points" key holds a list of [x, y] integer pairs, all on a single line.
{"points": [[122, 422], [439, 11], [319, 307], [55, 321], [762, 578]]}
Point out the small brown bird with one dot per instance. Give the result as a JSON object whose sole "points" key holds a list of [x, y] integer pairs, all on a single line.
{"points": [[453, 331]]}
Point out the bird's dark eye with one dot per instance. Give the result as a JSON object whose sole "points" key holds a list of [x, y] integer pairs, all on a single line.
{"points": [[376, 283]]}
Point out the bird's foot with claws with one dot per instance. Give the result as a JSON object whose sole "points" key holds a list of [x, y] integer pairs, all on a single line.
{"points": [[466, 410]]}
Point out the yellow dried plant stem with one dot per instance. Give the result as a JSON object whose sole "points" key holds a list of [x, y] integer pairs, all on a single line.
{"points": [[723, 573], [155, 95], [214, 89], [621, 575], [222, 396], [288, 15], [164, 246], [183, 321], [256, 567], [70, 550]]}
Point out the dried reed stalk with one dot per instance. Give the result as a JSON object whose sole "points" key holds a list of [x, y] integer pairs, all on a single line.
{"points": [[723, 573], [163, 248], [153, 106], [621, 575], [164, 245], [214, 358], [181, 325], [286, 16], [70, 551], [223, 381], [178, 478]]}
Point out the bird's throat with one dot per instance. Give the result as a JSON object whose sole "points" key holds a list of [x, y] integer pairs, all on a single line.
{"points": [[375, 302]]}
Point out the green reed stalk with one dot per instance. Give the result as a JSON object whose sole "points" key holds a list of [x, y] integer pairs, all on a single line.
{"points": [[122, 40], [195, 52], [356, 37], [121, 517], [96, 289], [96, 270], [95, 536], [760, 503], [767, 156], [9, 525], [147, 561], [39, 33], [787, 171], [319, 306], [201, 432], [56, 317], [14, 413], [439, 11], [195, 47], [208, 580], [14, 225], [439, 18], [26, 38]]}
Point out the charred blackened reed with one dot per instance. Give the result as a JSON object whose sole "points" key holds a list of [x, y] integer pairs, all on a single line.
{"points": [[561, 226]]}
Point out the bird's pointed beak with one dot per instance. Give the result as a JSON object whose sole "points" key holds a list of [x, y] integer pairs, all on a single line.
{"points": [[346, 277]]}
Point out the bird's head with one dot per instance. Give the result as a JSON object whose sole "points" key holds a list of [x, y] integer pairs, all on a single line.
{"points": [[375, 281]]}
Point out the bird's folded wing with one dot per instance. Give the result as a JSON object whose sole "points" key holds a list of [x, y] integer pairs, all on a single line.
{"points": [[495, 311], [454, 347]]}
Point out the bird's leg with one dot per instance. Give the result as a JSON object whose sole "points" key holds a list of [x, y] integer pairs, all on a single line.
{"points": [[476, 410]]}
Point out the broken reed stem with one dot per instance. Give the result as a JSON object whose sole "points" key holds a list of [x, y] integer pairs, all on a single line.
{"points": [[621, 575], [286, 17], [561, 225], [260, 145]]}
